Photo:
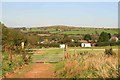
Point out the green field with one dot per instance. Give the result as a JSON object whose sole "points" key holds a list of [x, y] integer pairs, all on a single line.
{"points": [[89, 31], [74, 30], [49, 55]]}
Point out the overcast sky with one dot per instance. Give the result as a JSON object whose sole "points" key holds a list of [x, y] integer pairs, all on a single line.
{"points": [[93, 14]]}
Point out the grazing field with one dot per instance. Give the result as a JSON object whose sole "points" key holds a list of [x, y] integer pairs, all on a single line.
{"points": [[89, 31]]}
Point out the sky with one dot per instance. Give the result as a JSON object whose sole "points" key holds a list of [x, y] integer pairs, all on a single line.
{"points": [[82, 14]]}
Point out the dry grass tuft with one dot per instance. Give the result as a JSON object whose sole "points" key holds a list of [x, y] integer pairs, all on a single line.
{"points": [[89, 66]]}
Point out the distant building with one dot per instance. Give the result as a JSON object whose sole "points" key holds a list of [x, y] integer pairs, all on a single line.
{"points": [[85, 44], [62, 45]]}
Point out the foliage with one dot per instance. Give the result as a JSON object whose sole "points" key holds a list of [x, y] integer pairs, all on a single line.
{"points": [[17, 61], [87, 37], [109, 35], [102, 43], [74, 44], [66, 39], [104, 37], [13, 55], [107, 44], [49, 45]]}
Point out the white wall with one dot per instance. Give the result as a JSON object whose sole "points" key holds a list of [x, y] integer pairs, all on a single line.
{"points": [[85, 45], [62, 45]]}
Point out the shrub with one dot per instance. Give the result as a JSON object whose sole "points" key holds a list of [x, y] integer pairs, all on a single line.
{"points": [[73, 44], [102, 43], [17, 61], [118, 43], [113, 43], [49, 45], [109, 52]]}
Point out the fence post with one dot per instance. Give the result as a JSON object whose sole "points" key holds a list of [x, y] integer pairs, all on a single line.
{"points": [[22, 45]]}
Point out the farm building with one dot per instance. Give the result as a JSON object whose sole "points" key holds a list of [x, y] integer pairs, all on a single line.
{"points": [[85, 44], [62, 45]]}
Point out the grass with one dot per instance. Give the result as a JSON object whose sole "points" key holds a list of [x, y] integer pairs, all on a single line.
{"points": [[86, 63], [88, 66], [49, 55], [91, 64]]}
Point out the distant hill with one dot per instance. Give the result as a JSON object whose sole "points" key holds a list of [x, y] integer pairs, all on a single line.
{"points": [[62, 26]]}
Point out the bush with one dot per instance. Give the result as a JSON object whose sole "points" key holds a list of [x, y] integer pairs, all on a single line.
{"points": [[73, 44], [49, 45], [107, 43], [109, 52], [102, 43], [113, 43], [118, 43], [17, 61]]}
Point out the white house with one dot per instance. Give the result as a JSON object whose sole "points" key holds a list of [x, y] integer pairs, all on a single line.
{"points": [[85, 44], [62, 45]]}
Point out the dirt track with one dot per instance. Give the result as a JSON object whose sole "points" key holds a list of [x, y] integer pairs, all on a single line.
{"points": [[38, 70], [41, 70]]}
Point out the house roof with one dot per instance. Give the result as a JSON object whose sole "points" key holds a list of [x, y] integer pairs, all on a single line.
{"points": [[83, 41]]}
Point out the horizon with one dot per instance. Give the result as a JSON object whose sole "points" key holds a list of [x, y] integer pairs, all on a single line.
{"points": [[88, 14], [62, 26]]}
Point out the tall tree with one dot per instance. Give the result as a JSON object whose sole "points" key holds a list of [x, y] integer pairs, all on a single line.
{"points": [[87, 37], [104, 37]]}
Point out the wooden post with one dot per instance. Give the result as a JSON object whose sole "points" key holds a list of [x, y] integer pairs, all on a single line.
{"points": [[22, 45], [65, 52]]}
